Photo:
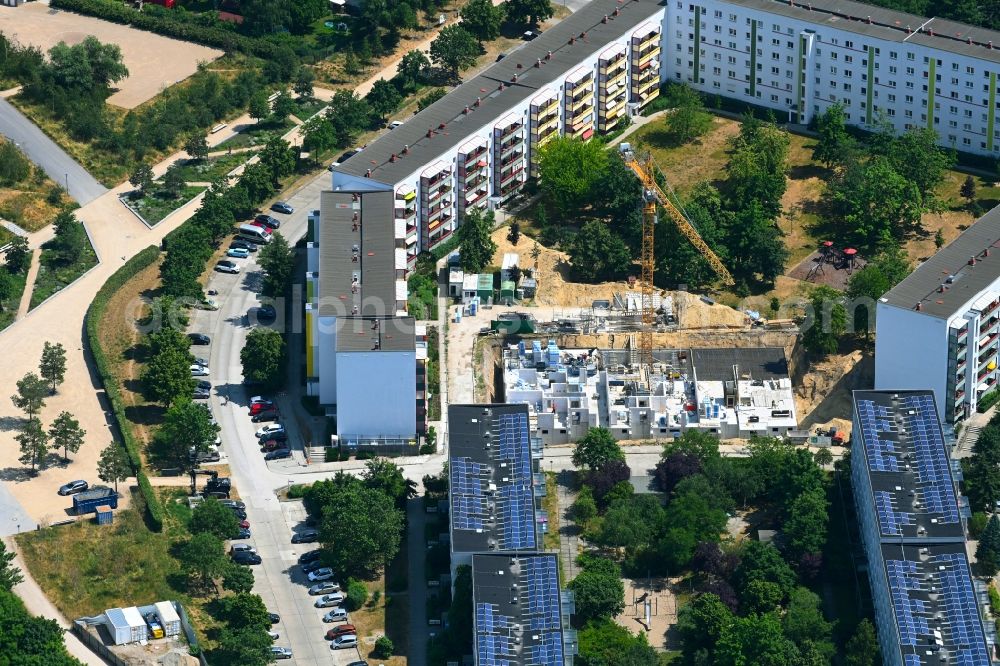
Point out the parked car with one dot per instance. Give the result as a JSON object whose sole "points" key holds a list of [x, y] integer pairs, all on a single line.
{"points": [[200, 394], [282, 207], [335, 615], [199, 339], [309, 567], [266, 221], [73, 487], [280, 437], [207, 304], [203, 384], [343, 158], [245, 524], [281, 652], [358, 663], [310, 556], [199, 370], [278, 454], [529, 35], [241, 547], [258, 407], [324, 588], [329, 600], [267, 313], [274, 618], [266, 415], [204, 456], [394, 124], [244, 533], [234, 504], [270, 430], [345, 641], [155, 628], [246, 558], [342, 630], [305, 536], [237, 252], [258, 398], [240, 514], [270, 445], [273, 635], [321, 574], [227, 266], [243, 244]]}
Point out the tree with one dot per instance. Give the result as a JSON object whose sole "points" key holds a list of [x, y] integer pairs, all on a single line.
{"points": [[871, 203], [569, 172], [167, 377], [606, 477], [113, 465], [278, 261], [186, 426], [7, 288], [760, 561], [53, 364], [66, 434], [528, 12], [702, 622], [173, 182], [141, 178], [278, 158], [598, 255], [33, 443], [584, 507], [514, 233], [360, 530], [383, 648], [938, 240], [259, 108], [18, 255], [318, 135], [756, 168], [383, 98], [386, 476], [247, 647], [30, 396], [413, 68], [14, 166], [264, 358], [862, 648], [827, 322], [982, 483], [916, 156], [213, 517], [868, 284], [27, 640], [454, 49], [237, 578], [9, 574], [303, 84], [755, 639], [600, 593], [283, 106], [968, 190], [805, 625], [688, 120], [823, 457], [70, 238], [196, 146], [833, 144], [988, 550], [483, 19], [631, 523], [474, 238], [202, 559], [597, 448], [357, 595], [606, 643], [247, 611], [351, 65], [807, 521]]}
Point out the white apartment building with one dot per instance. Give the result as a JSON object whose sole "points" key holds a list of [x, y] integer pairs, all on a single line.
{"points": [[939, 328]]}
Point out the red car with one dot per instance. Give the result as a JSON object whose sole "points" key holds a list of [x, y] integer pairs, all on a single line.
{"points": [[273, 445], [258, 407], [342, 630], [245, 524]]}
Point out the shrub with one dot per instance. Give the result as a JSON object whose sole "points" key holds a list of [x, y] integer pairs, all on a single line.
{"points": [[987, 401], [383, 648], [298, 491], [357, 594]]}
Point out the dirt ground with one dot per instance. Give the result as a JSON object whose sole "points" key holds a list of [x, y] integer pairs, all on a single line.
{"points": [[823, 398], [662, 609], [154, 62]]}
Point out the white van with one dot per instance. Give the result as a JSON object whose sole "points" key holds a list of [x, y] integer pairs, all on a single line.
{"points": [[255, 233]]}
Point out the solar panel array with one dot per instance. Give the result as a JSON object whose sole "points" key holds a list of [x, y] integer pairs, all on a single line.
{"points": [[469, 480], [940, 585], [907, 437]]}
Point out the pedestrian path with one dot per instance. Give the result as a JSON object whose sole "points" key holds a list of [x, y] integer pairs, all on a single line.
{"points": [[13, 228], [29, 283]]}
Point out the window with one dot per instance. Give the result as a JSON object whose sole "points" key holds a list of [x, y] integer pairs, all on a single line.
{"points": [[909, 84], [954, 66], [731, 60], [833, 55], [716, 71], [892, 55], [774, 98], [848, 58], [954, 81], [909, 71], [718, 14], [970, 70], [732, 17], [909, 99], [775, 42], [908, 113], [892, 98], [848, 44], [909, 56], [717, 28], [892, 69], [833, 84], [847, 88]]}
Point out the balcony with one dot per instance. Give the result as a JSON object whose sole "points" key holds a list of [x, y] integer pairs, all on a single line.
{"points": [[506, 180], [440, 238], [573, 87], [472, 155], [511, 159], [579, 101], [510, 129], [546, 136], [645, 56], [645, 41], [477, 196], [508, 146], [546, 108], [480, 178], [437, 193], [988, 340], [989, 323]]}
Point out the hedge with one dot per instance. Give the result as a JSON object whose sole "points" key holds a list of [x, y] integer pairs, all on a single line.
{"points": [[95, 312], [988, 400]]}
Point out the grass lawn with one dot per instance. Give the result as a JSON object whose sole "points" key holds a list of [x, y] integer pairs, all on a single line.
{"points": [[389, 615], [157, 204], [550, 503], [211, 168], [257, 134], [304, 109], [53, 275], [9, 307], [31, 203]]}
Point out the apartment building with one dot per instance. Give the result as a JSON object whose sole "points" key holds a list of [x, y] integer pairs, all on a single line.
{"points": [[928, 608], [940, 327]]}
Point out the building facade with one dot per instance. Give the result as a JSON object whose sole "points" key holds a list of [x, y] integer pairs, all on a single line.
{"points": [[940, 327]]}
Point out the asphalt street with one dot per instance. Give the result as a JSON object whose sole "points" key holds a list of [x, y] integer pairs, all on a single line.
{"points": [[44, 152]]}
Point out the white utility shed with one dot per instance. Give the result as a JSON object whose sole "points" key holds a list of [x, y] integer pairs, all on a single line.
{"points": [[126, 625], [168, 618]]}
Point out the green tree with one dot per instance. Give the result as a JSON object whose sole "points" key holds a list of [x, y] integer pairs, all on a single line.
{"points": [[761, 596], [259, 108], [807, 521], [383, 98], [65, 433], [862, 648], [760, 561], [988, 550], [834, 146], [357, 595], [805, 625], [755, 639], [702, 622], [916, 156], [596, 449], [872, 203], [483, 19], [968, 190], [141, 177], [387, 477], [868, 284], [237, 578], [14, 166], [278, 261], [34, 443], [70, 238], [413, 68], [569, 173], [283, 106], [754, 248], [202, 559], [982, 484], [827, 323], [9, 574], [167, 377], [213, 517], [383, 648], [514, 233], [278, 158], [30, 396], [454, 49], [938, 240], [303, 84], [18, 255], [631, 523], [823, 457], [360, 530], [351, 65], [186, 426], [196, 146], [7, 288], [599, 591], [528, 12], [688, 120], [27, 640], [475, 240], [247, 611], [113, 465], [584, 507], [247, 647], [597, 255], [318, 135], [605, 643], [53, 364], [264, 357], [173, 182], [756, 168]]}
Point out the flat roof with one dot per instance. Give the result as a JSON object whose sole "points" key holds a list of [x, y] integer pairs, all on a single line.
{"points": [[376, 334], [908, 465], [492, 476], [759, 362], [923, 285], [518, 618], [494, 103], [934, 605], [886, 24]]}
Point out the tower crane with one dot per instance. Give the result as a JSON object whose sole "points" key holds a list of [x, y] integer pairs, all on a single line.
{"points": [[652, 195]]}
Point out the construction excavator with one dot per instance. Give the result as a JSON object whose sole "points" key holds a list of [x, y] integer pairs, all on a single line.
{"points": [[652, 196]]}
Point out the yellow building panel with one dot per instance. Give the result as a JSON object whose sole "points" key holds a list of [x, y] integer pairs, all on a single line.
{"points": [[310, 360]]}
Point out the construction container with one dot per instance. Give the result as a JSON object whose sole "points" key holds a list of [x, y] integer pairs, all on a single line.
{"points": [[125, 625], [507, 289], [484, 288], [89, 500], [552, 354], [473, 307], [169, 618], [104, 515]]}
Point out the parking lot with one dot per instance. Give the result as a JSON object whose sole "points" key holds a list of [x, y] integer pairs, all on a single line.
{"points": [[154, 62]]}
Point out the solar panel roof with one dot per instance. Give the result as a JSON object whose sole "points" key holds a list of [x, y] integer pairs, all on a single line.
{"points": [[491, 470], [518, 618], [908, 464]]}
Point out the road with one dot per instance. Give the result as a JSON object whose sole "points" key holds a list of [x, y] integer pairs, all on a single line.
{"points": [[44, 152]]}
